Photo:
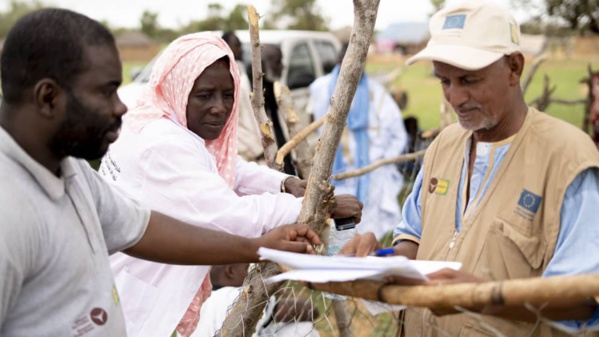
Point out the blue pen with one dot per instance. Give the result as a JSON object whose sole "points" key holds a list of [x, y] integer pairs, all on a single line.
{"points": [[384, 252]]}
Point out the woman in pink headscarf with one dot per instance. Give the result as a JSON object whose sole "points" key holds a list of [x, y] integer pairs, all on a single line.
{"points": [[177, 153]]}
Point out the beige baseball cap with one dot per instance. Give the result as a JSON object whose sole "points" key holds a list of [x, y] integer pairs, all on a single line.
{"points": [[470, 36]]}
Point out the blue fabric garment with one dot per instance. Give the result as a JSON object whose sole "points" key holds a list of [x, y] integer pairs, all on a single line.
{"points": [[578, 221], [357, 122]]}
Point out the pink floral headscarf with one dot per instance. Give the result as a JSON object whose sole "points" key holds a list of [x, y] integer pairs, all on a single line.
{"points": [[171, 81]]}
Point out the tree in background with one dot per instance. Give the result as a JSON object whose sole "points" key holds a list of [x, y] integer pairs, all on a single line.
{"points": [[149, 23], [15, 11], [217, 21], [580, 15], [237, 18], [437, 5], [296, 14]]}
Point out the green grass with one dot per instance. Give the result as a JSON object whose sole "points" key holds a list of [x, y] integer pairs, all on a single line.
{"points": [[127, 68], [424, 91], [565, 75]]}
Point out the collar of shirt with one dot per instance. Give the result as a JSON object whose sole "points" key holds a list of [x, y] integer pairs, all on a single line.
{"points": [[53, 186]]}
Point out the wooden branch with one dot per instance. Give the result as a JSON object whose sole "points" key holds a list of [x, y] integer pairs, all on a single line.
{"points": [[363, 170], [318, 198], [586, 121], [533, 69], [559, 101], [567, 101], [432, 133], [543, 101], [266, 129], [298, 139], [391, 77], [303, 153], [247, 311], [509, 293]]}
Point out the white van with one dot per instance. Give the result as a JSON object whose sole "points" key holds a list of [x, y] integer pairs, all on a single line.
{"points": [[307, 55]]}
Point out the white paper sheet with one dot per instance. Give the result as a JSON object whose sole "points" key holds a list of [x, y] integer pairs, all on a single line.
{"points": [[322, 269]]}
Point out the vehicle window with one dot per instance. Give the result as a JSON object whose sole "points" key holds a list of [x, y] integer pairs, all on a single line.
{"points": [[144, 75], [328, 55], [301, 67]]}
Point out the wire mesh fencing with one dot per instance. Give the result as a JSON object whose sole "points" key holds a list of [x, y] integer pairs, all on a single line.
{"points": [[294, 310]]}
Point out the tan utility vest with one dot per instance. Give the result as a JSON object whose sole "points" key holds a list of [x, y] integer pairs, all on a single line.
{"points": [[513, 231]]}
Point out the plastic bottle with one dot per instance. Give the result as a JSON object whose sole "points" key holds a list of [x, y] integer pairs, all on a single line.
{"points": [[337, 239]]}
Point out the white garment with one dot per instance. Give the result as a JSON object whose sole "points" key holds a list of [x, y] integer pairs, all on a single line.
{"points": [[168, 168], [55, 237], [249, 144], [388, 139], [215, 309]]}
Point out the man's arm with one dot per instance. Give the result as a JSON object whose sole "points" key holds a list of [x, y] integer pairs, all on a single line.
{"points": [[167, 240], [574, 255]]}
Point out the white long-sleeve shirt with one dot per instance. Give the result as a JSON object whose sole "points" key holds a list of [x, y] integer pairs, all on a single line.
{"points": [[168, 169]]}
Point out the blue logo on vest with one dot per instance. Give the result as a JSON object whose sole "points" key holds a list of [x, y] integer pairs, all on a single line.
{"points": [[529, 201], [454, 21]]}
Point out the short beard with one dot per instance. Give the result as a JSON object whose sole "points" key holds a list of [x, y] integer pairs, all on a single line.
{"points": [[486, 124], [79, 136]]}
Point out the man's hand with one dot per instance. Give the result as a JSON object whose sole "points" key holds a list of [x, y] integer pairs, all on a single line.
{"points": [[295, 186], [347, 206], [442, 277], [294, 238], [361, 245]]}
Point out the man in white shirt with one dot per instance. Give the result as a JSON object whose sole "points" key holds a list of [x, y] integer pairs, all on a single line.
{"points": [[60, 220]]}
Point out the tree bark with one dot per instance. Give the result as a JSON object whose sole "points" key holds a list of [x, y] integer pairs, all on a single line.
{"points": [[303, 153], [246, 312], [266, 129]]}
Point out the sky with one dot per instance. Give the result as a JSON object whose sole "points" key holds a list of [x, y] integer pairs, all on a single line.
{"points": [[176, 13]]}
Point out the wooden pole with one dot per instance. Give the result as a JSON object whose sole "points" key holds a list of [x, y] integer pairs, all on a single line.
{"points": [[509, 293], [246, 312], [266, 129]]}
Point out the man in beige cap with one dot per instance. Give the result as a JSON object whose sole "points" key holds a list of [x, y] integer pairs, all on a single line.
{"points": [[508, 191]]}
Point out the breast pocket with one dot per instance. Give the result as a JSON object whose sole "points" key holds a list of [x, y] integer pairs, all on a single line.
{"points": [[511, 252]]}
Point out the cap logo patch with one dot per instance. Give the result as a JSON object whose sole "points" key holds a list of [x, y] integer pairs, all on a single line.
{"points": [[514, 31], [454, 21]]}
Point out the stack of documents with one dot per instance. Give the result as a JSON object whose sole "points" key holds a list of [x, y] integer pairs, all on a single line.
{"points": [[323, 269]]}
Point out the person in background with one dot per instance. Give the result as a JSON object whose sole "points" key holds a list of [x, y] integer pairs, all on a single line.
{"points": [[272, 65], [509, 191], [249, 144], [177, 153], [59, 219], [374, 131], [415, 143]]}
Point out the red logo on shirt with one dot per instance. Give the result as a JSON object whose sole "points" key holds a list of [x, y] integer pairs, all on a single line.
{"points": [[98, 316], [433, 185]]}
